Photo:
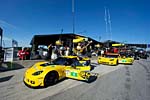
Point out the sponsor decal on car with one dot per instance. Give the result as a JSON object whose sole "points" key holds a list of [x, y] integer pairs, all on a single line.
{"points": [[74, 74], [123, 60]]}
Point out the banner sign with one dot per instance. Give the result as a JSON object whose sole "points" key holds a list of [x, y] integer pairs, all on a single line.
{"points": [[8, 55]]}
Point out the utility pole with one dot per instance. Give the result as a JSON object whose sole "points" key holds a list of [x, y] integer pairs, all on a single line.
{"points": [[107, 19], [99, 38], [73, 17], [60, 38], [73, 23]]}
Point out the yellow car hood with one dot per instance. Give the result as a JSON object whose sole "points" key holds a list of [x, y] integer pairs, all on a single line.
{"points": [[39, 67]]}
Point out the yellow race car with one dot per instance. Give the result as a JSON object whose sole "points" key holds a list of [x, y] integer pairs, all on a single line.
{"points": [[108, 59], [46, 73], [125, 58]]}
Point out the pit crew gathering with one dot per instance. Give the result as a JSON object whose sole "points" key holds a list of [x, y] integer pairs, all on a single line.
{"points": [[61, 62]]}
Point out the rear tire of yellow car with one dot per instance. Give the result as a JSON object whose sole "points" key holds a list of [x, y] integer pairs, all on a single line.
{"points": [[51, 78]]}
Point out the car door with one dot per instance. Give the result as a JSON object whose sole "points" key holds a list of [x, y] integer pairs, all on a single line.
{"points": [[74, 73]]}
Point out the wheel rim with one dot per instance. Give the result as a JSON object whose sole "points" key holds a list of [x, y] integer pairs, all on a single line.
{"points": [[51, 79]]}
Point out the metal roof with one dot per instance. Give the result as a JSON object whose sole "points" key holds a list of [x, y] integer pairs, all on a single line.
{"points": [[52, 38]]}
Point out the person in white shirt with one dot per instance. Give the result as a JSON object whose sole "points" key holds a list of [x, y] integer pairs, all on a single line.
{"points": [[78, 49]]}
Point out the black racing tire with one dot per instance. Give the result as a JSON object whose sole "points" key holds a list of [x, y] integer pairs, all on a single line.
{"points": [[51, 78]]}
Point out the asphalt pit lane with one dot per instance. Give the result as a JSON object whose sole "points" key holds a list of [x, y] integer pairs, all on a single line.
{"points": [[127, 96], [7, 78], [128, 73], [128, 79], [127, 86], [10, 87], [148, 77], [127, 68]]}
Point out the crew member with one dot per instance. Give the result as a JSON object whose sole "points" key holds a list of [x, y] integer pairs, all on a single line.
{"points": [[50, 48]]}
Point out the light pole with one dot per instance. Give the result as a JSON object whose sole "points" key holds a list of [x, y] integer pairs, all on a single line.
{"points": [[73, 17], [73, 24], [100, 38]]}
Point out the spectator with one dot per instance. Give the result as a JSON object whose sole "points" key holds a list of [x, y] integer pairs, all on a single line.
{"points": [[102, 52], [78, 49], [67, 52], [27, 52], [22, 54], [115, 50], [54, 53], [50, 48], [61, 50]]}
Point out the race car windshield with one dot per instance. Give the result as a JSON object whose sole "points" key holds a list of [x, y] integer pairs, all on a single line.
{"points": [[77, 63], [59, 61], [129, 55]]}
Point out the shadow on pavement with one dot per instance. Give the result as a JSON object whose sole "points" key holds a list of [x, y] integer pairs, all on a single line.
{"points": [[7, 78], [93, 65], [92, 79], [42, 87], [8, 66]]}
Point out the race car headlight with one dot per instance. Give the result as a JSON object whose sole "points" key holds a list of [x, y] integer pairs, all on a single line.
{"points": [[111, 59], [37, 73]]}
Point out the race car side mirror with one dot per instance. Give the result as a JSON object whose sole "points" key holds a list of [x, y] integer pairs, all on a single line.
{"points": [[73, 66]]}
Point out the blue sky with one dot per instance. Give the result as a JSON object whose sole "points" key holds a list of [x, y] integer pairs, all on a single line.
{"points": [[22, 19]]}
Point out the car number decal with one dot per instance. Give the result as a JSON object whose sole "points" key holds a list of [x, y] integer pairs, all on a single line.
{"points": [[123, 60], [74, 74]]}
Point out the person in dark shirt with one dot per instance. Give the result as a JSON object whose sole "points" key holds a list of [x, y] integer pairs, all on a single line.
{"points": [[50, 48], [27, 53]]}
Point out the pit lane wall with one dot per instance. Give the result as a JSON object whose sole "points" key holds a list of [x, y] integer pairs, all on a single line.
{"points": [[14, 65]]}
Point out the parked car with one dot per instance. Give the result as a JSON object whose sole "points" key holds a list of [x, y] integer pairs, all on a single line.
{"points": [[125, 58], [109, 59]]}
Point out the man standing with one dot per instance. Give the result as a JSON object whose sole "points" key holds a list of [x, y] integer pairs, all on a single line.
{"points": [[79, 49], [50, 48]]}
